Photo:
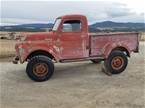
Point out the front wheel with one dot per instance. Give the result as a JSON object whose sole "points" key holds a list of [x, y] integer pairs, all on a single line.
{"points": [[40, 68], [116, 62]]}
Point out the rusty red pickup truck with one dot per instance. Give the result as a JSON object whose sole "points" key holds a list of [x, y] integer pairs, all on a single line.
{"points": [[70, 41]]}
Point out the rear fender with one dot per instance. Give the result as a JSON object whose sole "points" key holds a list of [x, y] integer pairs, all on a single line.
{"points": [[110, 47]]}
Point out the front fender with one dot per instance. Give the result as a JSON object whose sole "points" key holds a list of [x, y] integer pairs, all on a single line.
{"points": [[49, 50]]}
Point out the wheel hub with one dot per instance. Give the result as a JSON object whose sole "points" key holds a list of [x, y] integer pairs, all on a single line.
{"points": [[40, 69], [117, 62]]}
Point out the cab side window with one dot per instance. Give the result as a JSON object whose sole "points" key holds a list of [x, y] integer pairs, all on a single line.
{"points": [[71, 26]]}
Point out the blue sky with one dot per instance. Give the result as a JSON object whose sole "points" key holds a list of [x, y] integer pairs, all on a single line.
{"points": [[45, 11]]}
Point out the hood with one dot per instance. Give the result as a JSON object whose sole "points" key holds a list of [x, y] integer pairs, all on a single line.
{"points": [[37, 36]]}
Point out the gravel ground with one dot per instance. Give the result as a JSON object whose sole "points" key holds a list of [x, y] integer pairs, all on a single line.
{"points": [[75, 85]]}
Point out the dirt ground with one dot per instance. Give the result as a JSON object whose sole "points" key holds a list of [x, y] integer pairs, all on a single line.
{"points": [[75, 85]]}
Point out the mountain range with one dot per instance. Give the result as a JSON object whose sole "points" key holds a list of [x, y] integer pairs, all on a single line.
{"points": [[96, 27]]}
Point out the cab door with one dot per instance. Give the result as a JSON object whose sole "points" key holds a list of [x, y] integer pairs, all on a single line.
{"points": [[73, 43]]}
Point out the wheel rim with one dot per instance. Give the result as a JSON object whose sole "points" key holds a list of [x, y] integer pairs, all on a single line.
{"points": [[40, 69], [117, 62]]}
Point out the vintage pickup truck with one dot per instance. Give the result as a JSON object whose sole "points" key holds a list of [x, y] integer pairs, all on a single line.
{"points": [[70, 41]]}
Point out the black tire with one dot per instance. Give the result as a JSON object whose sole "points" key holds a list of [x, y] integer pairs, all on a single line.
{"points": [[118, 66], [40, 68], [96, 60]]}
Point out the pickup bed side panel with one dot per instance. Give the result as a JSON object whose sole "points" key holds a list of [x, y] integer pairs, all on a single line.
{"points": [[103, 44]]}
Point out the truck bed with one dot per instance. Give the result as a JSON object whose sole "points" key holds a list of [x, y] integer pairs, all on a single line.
{"points": [[111, 33], [101, 42]]}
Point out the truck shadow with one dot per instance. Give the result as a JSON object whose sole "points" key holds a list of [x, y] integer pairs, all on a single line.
{"points": [[69, 70]]}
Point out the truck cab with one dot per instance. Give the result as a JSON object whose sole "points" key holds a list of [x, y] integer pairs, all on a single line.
{"points": [[72, 38], [69, 40]]}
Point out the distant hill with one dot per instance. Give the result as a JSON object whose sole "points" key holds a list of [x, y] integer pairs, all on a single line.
{"points": [[39, 25], [27, 27], [108, 26], [117, 26]]}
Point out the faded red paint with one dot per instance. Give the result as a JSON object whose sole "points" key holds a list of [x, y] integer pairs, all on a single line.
{"points": [[76, 45], [103, 44]]}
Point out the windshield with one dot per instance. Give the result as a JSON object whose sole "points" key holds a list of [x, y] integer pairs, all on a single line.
{"points": [[56, 24]]}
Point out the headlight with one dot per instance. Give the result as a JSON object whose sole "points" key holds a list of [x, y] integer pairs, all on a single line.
{"points": [[23, 38]]}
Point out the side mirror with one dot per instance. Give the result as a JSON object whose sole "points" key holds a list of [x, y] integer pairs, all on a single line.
{"points": [[50, 29]]}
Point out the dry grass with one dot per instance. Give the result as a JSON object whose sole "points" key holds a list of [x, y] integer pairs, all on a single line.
{"points": [[7, 48], [142, 36]]}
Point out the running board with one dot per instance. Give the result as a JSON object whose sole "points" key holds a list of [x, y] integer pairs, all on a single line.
{"points": [[80, 59]]}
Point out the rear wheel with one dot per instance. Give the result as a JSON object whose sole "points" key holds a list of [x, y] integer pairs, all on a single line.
{"points": [[116, 62], [40, 68]]}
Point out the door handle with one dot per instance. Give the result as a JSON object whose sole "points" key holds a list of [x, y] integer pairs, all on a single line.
{"points": [[87, 47]]}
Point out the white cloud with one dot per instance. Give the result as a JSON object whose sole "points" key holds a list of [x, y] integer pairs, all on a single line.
{"points": [[18, 12], [135, 5]]}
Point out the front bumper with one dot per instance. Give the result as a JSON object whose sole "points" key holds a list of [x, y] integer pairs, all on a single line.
{"points": [[15, 60], [21, 53]]}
